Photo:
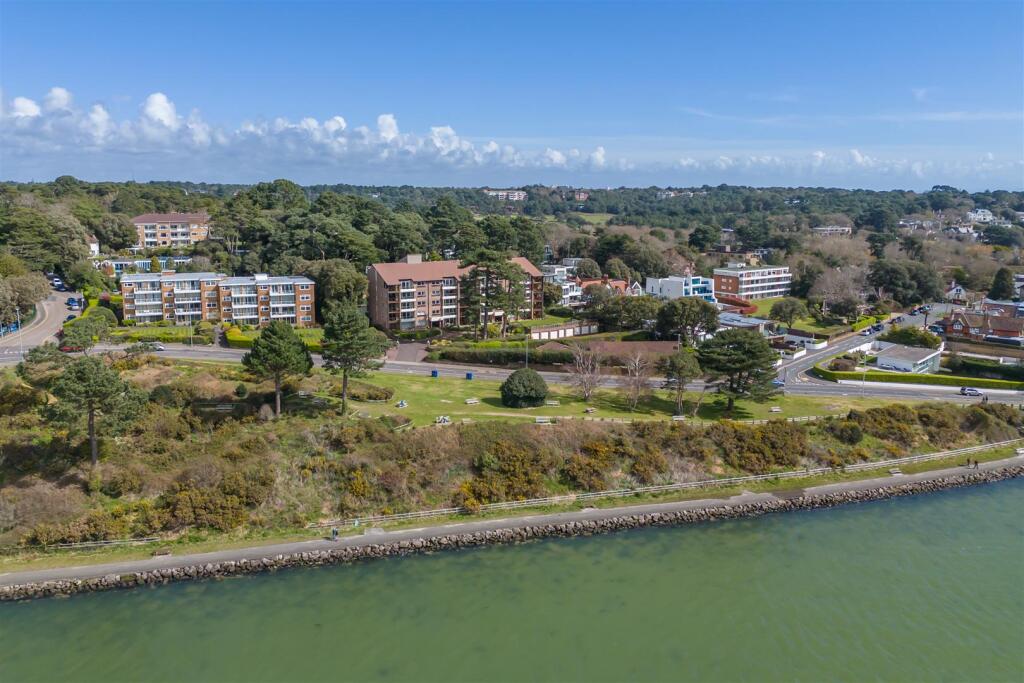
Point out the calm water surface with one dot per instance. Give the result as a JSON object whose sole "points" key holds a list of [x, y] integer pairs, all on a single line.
{"points": [[914, 589]]}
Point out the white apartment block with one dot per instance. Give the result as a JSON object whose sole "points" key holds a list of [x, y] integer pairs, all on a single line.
{"points": [[676, 287], [753, 282], [832, 230], [507, 195]]}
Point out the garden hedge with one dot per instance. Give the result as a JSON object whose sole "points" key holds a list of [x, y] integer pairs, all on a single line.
{"points": [[912, 378], [503, 356]]}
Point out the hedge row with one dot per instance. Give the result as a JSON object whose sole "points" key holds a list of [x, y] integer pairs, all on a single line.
{"points": [[864, 322], [912, 378], [976, 366], [503, 356], [237, 339]]}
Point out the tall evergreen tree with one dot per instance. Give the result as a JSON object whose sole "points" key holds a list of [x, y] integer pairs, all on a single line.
{"points": [[89, 389], [276, 354], [350, 346], [742, 363], [1002, 285]]}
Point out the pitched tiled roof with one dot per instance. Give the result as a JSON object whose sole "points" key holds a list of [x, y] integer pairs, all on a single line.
{"points": [[990, 324], [393, 273]]}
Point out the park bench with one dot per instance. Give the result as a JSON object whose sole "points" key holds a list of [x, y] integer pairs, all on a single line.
{"points": [[472, 401]]}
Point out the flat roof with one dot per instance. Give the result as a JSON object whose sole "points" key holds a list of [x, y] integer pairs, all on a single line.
{"points": [[268, 280], [198, 217], [174, 277], [914, 354]]}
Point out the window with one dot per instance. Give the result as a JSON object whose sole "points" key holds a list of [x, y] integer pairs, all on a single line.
{"points": [[306, 318], [264, 309], [304, 297], [303, 287], [306, 308]]}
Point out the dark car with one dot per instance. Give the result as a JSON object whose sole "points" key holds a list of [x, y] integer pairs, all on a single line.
{"points": [[70, 317]]}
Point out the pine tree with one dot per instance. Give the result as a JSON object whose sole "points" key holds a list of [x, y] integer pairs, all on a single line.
{"points": [[90, 389], [277, 353], [350, 346], [742, 362], [1002, 285]]}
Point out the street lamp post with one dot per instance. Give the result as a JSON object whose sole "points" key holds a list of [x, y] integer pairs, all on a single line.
{"points": [[21, 337]]}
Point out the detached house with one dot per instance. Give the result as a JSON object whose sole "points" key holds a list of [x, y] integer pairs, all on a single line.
{"points": [[983, 327]]}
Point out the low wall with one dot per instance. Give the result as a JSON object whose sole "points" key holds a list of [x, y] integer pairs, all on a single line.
{"points": [[508, 535]]}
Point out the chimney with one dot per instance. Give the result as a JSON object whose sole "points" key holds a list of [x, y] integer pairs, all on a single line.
{"points": [[412, 258]]}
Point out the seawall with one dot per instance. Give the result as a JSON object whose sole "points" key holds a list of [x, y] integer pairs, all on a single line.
{"points": [[514, 530]]}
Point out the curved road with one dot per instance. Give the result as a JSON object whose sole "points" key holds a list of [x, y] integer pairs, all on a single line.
{"points": [[794, 373]]}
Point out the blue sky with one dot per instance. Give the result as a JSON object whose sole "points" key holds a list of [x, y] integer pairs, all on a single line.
{"points": [[877, 95]]}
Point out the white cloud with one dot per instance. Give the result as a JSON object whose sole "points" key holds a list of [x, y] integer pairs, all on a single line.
{"points": [[387, 126], [59, 137], [24, 108], [57, 99], [554, 158], [159, 109]]}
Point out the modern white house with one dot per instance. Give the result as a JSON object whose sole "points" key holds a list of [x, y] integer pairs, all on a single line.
{"points": [[561, 276], [980, 216], [676, 287], [909, 358]]}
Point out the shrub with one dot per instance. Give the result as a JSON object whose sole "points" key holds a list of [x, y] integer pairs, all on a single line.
{"points": [[647, 465], [560, 311], [911, 336], [847, 431], [122, 481], [524, 388], [506, 471], [241, 390], [506, 355], [589, 470], [16, 397], [363, 391]]}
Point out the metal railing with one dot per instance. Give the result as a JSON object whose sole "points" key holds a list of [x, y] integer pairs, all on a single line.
{"points": [[663, 488], [82, 545]]}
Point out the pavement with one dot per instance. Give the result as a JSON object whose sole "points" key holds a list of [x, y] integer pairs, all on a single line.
{"points": [[374, 536], [407, 360], [49, 319]]}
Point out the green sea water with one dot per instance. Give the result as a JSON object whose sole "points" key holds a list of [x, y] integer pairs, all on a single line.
{"points": [[927, 588]]}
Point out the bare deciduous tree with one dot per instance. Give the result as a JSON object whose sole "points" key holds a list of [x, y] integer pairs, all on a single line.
{"points": [[585, 371], [636, 384]]}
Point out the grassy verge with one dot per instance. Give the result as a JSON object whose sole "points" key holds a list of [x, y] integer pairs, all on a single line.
{"points": [[427, 398], [37, 559]]}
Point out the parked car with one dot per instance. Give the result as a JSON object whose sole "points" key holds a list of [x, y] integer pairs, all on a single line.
{"points": [[70, 317], [877, 328], [970, 391], [69, 348], [57, 282], [72, 300], [867, 332], [937, 329], [156, 346], [778, 383]]}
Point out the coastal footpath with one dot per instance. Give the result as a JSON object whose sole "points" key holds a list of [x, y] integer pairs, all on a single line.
{"points": [[375, 543]]}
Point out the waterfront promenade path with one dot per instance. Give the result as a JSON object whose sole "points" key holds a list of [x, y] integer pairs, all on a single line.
{"points": [[377, 536]]}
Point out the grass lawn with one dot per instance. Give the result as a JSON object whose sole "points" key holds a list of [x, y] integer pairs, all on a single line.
{"points": [[429, 397], [593, 218], [808, 324], [546, 320]]}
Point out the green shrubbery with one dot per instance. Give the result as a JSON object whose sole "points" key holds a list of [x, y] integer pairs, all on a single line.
{"points": [[502, 356], [917, 378], [524, 388]]}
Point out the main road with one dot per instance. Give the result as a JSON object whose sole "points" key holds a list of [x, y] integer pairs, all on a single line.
{"points": [[798, 381]]}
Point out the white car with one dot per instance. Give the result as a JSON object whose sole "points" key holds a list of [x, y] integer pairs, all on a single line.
{"points": [[970, 391], [866, 332]]}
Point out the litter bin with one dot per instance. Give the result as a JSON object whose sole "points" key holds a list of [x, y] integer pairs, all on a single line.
{"points": [[433, 373], [469, 375]]}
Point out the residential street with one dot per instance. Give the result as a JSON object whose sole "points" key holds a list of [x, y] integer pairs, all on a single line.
{"points": [[400, 362]]}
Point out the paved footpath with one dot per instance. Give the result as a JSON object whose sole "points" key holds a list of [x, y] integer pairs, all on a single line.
{"points": [[377, 536]]}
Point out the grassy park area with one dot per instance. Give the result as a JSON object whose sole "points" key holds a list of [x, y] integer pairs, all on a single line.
{"points": [[428, 397]]}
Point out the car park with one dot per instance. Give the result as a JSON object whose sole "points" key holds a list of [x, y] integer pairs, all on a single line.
{"points": [[970, 391]]}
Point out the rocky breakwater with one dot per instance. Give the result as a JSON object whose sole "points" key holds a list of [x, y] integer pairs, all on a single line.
{"points": [[513, 534]]}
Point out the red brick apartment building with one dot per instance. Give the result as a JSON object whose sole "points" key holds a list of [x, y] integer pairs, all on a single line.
{"points": [[186, 298], [415, 294], [175, 230]]}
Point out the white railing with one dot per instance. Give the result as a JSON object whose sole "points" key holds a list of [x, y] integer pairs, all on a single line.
{"points": [[663, 488]]}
